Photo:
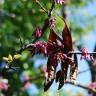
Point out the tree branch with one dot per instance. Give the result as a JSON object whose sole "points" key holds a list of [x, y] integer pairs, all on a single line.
{"points": [[80, 85], [71, 52], [37, 1], [80, 72], [50, 11], [68, 82]]}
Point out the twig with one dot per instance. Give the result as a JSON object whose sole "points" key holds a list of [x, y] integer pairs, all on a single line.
{"points": [[81, 53], [50, 11], [71, 52], [67, 82], [25, 48], [37, 1], [80, 72], [79, 85], [21, 42]]}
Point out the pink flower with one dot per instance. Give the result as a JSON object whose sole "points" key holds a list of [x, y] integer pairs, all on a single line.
{"points": [[37, 33], [41, 47], [3, 84], [92, 85], [60, 1], [85, 54]]}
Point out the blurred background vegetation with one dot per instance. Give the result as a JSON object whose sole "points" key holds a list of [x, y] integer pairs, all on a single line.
{"points": [[19, 19]]}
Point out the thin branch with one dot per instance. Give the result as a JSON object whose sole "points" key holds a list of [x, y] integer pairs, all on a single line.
{"points": [[81, 52], [80, 72], [21, 42], [71, 52], [37, 1], [50, 11], [67, 82], [25, 48], [79, 85]]}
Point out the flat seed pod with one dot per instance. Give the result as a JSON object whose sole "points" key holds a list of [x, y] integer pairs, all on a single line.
{"points": [[74, 69], [58, 75], [63, 76], [67, 39], [51, 69]]}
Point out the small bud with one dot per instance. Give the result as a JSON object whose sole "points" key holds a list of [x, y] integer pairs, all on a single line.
{"points": [[38, 32], [85, 54]]}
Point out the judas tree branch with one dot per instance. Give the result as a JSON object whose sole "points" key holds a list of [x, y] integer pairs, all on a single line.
{"points": [[80, 72], [80, 85], [71, 52], [37, 1], [81, 53], [67, 82], [50, 11]]}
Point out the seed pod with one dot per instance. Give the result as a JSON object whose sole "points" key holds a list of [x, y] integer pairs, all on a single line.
{"points": [[58, 75], [63, 76], [51, 69], [74, 69]]}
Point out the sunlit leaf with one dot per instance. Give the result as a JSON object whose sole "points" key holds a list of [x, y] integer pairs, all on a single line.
{"points": [[10, 58], [5, 59], [17, 56]]}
